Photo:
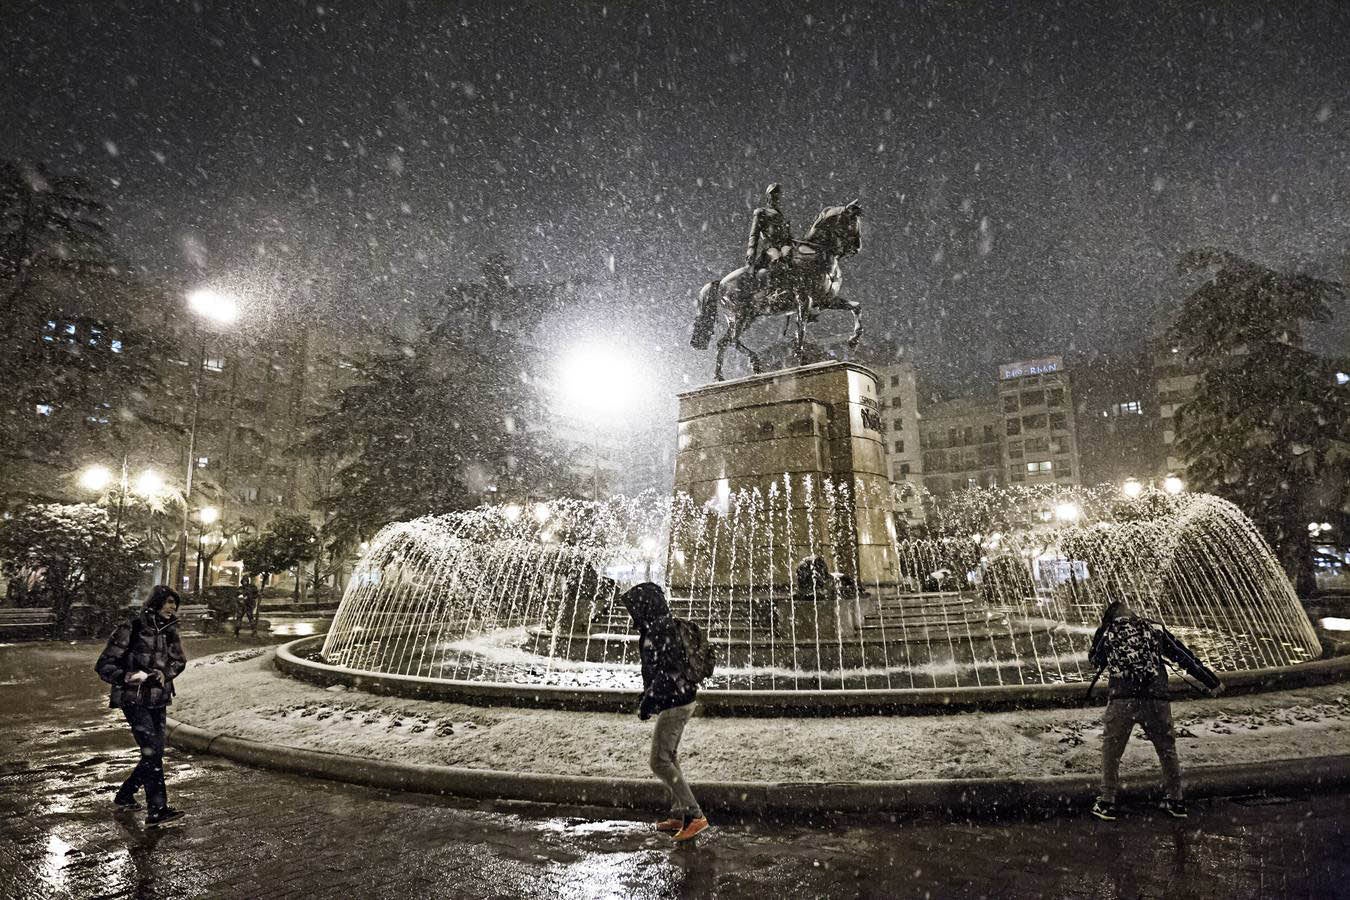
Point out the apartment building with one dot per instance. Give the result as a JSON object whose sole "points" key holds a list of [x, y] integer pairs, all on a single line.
{"points": [[1035, 401], [962, 445], [899, 401]]}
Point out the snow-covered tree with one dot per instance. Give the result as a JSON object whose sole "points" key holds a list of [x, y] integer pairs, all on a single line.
{"points": [[1269, 420]]}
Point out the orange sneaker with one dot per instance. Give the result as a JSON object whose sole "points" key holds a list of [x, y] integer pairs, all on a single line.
{"points": [[694, 827], [671, 825]]}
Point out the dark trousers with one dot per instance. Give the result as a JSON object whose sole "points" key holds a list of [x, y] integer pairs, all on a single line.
{"points": [[147, 726], [1156, 716]]}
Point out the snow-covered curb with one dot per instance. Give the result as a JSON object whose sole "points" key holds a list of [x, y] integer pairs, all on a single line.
{"points": [[246, 710]]}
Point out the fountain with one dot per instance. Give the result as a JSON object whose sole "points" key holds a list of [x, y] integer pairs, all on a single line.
{"points": [[783, 541], [998, 589]]}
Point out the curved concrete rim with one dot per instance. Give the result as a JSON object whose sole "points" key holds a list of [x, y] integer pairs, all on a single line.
{"points": [[976, 796], [781, 703]]}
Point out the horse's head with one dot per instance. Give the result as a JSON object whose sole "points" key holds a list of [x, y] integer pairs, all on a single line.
{"points": [[838, 230]]}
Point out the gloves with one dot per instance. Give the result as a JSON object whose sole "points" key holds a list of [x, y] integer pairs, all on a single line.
{"points": [[137, 677]]}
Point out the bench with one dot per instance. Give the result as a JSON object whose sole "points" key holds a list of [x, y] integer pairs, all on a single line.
{"points": [[196, 617], [26, 624]]}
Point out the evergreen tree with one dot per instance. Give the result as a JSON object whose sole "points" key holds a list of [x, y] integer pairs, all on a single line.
{"points": [[1268, 421], [446, 420]]}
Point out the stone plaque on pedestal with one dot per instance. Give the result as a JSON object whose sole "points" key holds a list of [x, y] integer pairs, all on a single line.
{"points": [[806, 446]]}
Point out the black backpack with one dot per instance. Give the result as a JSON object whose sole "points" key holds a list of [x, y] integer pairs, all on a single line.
{"points": [[698, 651]]}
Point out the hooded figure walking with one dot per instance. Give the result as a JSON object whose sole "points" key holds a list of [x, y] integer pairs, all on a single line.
{"points": [[1131, 650], [670, 677], [142, 659]]}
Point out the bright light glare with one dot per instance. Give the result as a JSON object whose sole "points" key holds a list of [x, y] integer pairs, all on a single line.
{"points": [[218, 307], [1132, 488], [541, 512], [1067, 512], [1173, 485], [1334, 623], [149, 483], [512, 511], [95, 478], [598, 379], [208, 514]]}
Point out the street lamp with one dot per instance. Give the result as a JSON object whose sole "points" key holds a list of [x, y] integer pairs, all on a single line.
{"points": [[222, 309], [1132, 488], [95, 478], [1173, 485], [598, 384]]}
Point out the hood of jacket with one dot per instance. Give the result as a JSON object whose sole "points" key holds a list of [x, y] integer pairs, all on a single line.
{"points": [[151, 619], [646, 603]]}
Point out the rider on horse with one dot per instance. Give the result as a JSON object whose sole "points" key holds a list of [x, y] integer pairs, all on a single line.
{"points": [[770, 235]]}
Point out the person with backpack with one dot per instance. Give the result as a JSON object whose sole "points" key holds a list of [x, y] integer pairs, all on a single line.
{"points": [[675, 658], [142, 658], [1132, 651]]}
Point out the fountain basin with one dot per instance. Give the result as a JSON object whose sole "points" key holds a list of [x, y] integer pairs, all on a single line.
{"points": [[296, 659]]}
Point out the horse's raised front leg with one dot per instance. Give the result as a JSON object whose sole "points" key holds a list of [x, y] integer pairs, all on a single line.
{"points": [[856, 308]]}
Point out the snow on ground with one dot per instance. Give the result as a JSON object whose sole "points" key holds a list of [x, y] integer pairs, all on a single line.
{"points": [[242, 694]]}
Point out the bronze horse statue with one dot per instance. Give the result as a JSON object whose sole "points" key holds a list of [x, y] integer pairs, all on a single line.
{"points": [[801, 287]]}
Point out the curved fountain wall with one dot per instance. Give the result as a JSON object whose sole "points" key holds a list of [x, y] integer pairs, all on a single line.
{"points": [[997, 587]]}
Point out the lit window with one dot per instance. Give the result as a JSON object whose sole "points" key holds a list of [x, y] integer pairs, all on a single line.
{"points": [[43, 409], [116, 346], [214, 364], [202, 461], [70, 329], [1342, 378], [1039, 467], [1131, 407], [51, 325]]}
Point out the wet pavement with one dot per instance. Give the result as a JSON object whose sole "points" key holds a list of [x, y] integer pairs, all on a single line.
{"points": [[258, 834]]}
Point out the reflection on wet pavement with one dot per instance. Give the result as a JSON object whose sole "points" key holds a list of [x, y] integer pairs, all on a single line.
{"points": [[253, 833]]}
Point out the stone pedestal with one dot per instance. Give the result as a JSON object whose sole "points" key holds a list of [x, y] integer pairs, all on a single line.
{"points": [[786, 435]]}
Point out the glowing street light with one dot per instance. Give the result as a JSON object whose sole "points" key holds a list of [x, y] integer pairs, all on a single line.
{"points": [[541, 512], [149, 483], [1132, 488], [1173, 485], [213, 305], [1067, 512], [207, 515], [95, 478], [512, 511]]}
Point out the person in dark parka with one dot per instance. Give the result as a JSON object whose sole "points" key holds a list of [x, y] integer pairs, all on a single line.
{"points": [[140, 662], [668, 693], [1132, 650]]}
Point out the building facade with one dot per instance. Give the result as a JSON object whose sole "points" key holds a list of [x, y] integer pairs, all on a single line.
{"points": [[899, 402], [962, 445], [1041, 441]]}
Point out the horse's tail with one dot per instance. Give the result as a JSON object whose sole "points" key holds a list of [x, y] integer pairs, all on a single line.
{"points": [[706, 318]]}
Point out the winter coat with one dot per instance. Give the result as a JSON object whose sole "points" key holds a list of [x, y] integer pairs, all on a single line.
{"points": [[144, 643], [1132, 650], [665, 664]]}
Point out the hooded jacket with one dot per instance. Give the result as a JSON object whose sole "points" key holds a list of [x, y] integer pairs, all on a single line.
{"points": [[1129, 644], [143, 643], [665, 683]]}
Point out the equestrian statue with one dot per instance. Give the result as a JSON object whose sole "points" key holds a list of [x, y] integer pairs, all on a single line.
{"points": [[782, 275]]}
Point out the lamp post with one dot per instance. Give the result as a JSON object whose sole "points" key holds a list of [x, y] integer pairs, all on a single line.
{"points": [[221, 309], [205, 516]]}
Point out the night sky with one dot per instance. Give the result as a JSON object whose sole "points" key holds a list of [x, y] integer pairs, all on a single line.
{"points": [[1028, 177]]}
